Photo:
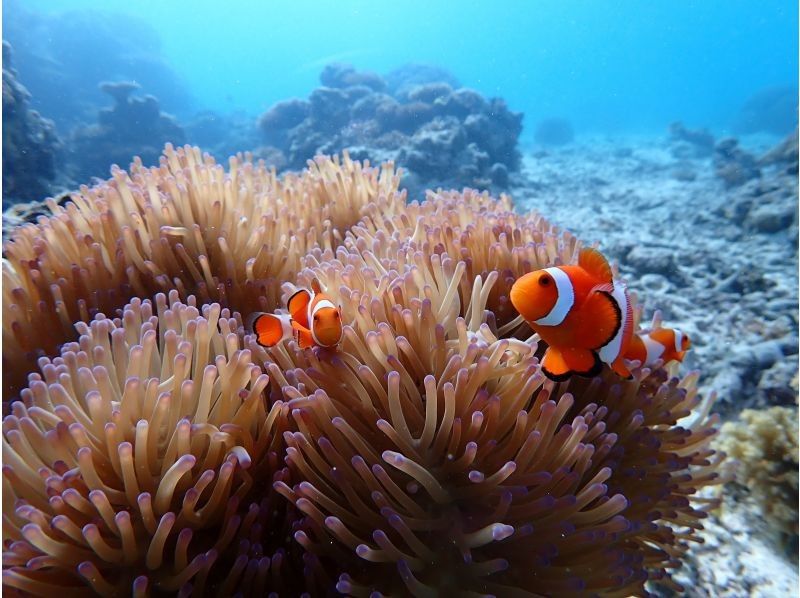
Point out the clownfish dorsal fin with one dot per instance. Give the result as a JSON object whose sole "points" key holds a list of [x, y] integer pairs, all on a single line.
{"points": [[595, 264], [315, 286], [298, 306], [606, 287]]}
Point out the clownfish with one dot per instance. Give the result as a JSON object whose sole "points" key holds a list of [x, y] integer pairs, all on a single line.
{"points": [[313, 320], [581, 312], [669, 344]]}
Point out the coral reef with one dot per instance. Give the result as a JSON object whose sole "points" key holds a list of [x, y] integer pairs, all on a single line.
{"points": [[690, 143], [223, 135], [444, 136], [554, 131], [783, 155], [133, 126], [766, 201], [763, 458], [770, 110], [405, 78], [733, 165], [30, 143], [342, 76], [164, 450], [63, 56], [28, 213]]}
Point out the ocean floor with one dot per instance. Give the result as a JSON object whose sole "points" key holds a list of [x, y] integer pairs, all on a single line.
{"points": [[721, 264]]}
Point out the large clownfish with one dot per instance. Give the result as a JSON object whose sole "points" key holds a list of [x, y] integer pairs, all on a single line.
{"points": [[581, 312], [667, 344], [313, 320]]}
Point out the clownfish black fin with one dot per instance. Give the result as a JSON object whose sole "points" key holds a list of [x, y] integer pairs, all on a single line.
{"points": [[595, 264]]}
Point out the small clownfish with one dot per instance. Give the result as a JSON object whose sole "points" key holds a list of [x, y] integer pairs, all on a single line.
{"points": [[669, 344], [313, 320], [581, 312]]}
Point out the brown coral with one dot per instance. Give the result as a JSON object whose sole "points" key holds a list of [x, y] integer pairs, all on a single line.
{"points": [[763, 453], [187, 225]]}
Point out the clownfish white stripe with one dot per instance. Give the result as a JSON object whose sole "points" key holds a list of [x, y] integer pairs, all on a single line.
{"points": [[565, 294], [313, 309], [678, 339], [320, 305], [654, 349], [610, 351]]}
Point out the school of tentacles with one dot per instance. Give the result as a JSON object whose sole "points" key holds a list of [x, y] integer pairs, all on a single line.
{"points": [[151, 447]]}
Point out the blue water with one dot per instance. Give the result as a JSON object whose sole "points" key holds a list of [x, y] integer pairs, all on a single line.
{"points": [[608, 67]]}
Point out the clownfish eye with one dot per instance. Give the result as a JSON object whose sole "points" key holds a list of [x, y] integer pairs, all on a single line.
{"points": [[545, 280], [316, 318]]}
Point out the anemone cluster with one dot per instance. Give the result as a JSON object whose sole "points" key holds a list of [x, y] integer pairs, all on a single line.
{"points": [[157, 449]]}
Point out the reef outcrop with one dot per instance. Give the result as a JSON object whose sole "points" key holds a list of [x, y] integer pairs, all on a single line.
{"points": [[30, 143], [133, 126], [444, 136]]}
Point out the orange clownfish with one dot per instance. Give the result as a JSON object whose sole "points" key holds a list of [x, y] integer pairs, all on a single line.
{"points": [[313, 320], [581, 312], [668, 344]]}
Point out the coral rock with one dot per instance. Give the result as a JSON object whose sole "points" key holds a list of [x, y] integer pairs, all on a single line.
{"points": [[30, 143]]}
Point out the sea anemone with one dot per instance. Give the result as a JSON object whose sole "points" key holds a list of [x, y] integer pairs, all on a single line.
{"points": [[142, 459], [166, 451], [186, 225], [432, 455], [485, 233]]}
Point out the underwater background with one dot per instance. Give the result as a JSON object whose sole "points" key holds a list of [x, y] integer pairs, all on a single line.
{"points": [[606, 66], [663, 132]]}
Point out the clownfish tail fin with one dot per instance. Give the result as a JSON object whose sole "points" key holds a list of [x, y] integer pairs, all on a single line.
{"points": [[270, 329]]}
